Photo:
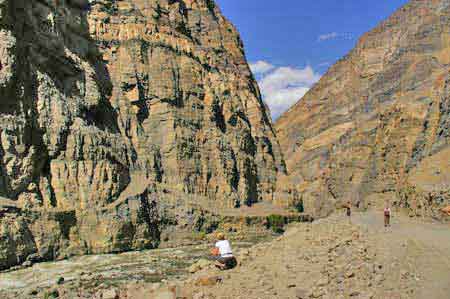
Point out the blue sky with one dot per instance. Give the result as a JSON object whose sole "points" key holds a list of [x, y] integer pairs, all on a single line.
{"points": [[291, 43]]}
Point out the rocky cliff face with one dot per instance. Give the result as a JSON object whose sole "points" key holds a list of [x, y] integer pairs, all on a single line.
{"points": [[377, 125], [112, 110]]}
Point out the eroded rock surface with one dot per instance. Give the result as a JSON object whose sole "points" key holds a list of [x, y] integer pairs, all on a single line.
{"points": [[112, 111], [376, 127]]}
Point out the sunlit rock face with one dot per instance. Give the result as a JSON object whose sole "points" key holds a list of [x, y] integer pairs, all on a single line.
{"points": [[111, 111], [370, 129]]}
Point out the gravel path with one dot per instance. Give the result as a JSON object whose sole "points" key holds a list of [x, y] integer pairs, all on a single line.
{"points": [[336, 258], [421, 247]]}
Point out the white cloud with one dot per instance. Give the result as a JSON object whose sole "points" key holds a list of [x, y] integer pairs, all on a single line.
{"points": [[282, 87], [334, 36], [261, 67], [282, 100], [287, 77], [328, 36]]}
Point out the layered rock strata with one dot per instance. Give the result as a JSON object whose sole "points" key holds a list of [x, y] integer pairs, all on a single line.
{"points": [[377, 126], [112, 112]]}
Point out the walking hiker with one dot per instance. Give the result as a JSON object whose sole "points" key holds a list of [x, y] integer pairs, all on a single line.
{"points": [[387, 216], [224, 254], [348, 212]]}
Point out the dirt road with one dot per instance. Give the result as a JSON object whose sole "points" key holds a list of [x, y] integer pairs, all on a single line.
{"points": [[423, 248], [336, 258]]}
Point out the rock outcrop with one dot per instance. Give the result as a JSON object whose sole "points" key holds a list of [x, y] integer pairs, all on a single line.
{"points": [[113, 113], [377, 125]]}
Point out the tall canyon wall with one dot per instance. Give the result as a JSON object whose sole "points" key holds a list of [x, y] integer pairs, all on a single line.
{"points": [[110, 110], [376, 128]]}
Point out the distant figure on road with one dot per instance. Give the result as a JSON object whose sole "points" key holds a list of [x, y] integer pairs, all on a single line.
{"points": [[224, 254], [348, 210], [387, 216]]}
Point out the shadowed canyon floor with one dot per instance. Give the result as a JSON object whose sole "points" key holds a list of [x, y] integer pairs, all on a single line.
{"points": [[330, 258]]}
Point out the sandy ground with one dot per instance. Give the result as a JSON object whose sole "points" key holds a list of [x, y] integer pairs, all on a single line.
{"points": [[420, 247], [338, 258]]}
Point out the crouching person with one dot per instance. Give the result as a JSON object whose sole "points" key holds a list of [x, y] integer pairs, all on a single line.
{"points": [[224, 254]]}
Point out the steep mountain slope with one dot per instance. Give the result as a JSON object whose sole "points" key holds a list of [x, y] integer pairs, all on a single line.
{"points": [[376, 121], [111, 112]]}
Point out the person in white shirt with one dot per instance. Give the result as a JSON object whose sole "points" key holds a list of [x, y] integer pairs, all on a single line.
{"points": [[222, 249]]}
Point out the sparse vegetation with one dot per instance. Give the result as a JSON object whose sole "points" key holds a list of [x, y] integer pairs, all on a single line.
{"points": [[211, 5], [198, 236], [276, 223], [299, 207]]}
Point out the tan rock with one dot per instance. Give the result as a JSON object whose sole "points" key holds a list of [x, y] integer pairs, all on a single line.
{"points": [[375, 128], [164, 294], [446, 210], [301, 294], [349, 274], [201, 264], [205, 281], [110, 294], [115, 114]]}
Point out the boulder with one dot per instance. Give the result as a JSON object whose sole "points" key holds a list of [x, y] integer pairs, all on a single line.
{"points": [[200, 265], [110, 294], [206, 281]]}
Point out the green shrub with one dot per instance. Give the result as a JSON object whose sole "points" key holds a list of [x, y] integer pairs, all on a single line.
{"points": [[211, 5], [276, 223], [299, 206], [198, 236]]}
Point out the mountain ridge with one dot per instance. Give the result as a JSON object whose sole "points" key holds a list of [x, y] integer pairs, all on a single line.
{"points": [[344, 139]]}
